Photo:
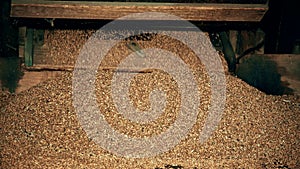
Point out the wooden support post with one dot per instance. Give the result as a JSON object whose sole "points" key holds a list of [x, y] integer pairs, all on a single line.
{"points": [[29, 47], [229, 54]]}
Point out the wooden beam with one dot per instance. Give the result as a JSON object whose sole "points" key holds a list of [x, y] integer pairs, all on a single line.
{"points": [[70, 68], [114, 10]]}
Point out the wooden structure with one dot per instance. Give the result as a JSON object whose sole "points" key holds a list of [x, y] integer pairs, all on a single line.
{"points": [[55, 10], [103, 11], [111, 10], [114, 10]]}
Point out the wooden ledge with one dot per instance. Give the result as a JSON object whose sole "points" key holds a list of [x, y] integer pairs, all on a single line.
{"points": [[114, 10]]}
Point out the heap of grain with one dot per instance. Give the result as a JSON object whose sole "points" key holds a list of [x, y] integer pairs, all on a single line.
{"points": [[40, 129]]}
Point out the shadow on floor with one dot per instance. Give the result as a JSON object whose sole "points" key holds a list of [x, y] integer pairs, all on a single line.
{"points": [[10, 73], [263, 74]]}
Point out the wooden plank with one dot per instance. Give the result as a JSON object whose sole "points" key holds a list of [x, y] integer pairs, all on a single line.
{"points": [[113, 10], [70, 68]]}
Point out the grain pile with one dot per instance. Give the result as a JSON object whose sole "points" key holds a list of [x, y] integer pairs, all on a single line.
{"points": [[40, 129], [62, 46]]}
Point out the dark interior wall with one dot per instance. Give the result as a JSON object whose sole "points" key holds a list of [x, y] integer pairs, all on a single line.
{"points": [[8, 32], [289, 28], [4, 20], [281, 25]]}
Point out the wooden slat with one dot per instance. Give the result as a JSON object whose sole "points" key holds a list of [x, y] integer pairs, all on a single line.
{"points": [[113, 10], [70, 68]]}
